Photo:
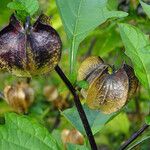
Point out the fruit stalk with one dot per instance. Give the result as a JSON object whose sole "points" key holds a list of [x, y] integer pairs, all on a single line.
{"points": [[79, 108], [27, 23], [134, 137]]}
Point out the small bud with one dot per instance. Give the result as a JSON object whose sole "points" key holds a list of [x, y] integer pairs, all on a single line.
{"points": [[60, 103], [51, 93], [72, 136], [64, 135], [19, 96]]}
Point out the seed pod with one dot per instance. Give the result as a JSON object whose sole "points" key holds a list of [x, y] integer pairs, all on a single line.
{"points": [[51, 93], [34, 51], [90, 67], [133, 81], [89, 70], [72, 136], [110, 92], [60, 103], [64, 135], [19, 96]]}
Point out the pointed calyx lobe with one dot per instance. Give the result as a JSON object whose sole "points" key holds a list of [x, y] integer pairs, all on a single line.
{"points": [[30, 53], [107, 92]]}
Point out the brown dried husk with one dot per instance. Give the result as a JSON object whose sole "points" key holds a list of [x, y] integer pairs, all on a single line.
{"points": [[72, 136], [19, 97], [89, 69], [108, 92]]}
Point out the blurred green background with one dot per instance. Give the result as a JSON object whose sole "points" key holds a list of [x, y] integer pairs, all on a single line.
{"points": [[105, 42]]}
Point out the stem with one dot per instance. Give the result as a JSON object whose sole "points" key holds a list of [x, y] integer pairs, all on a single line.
{"points": [[134, 136], [72, 56], [79, 107], [27, 23]]}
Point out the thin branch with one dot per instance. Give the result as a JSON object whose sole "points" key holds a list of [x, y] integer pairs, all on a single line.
{"points": [[79, 108], [134, 136]]}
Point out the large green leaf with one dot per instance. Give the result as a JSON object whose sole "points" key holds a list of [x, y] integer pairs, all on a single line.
{"points": [[96, 119], [22, 133], [24, 7], [80, 17], [76, 147], [108, 42], [146, 8], [147, 120], [4, 12], [57, 135], [138, 142], [123, 124], [138, 50], [30, 6]]}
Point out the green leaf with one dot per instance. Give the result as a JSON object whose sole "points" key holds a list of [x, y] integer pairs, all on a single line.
{"points": [[76, 147], [16, 6], [112, 4], [138, 50], [24, 7], [108, 42], [123, 124], [4, 12], [82, 84], [57, 135], [80, 17], [73, 77], [147, 120], [20, 132], [146, 8], [138, 142], [96, 119]]}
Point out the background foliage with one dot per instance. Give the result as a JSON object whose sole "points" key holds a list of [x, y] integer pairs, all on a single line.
{"points": [[90, 28]]}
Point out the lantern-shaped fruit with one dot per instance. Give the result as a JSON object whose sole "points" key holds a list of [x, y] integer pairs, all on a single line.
{"points": [[19, 96], [72, 136], [32, 51], [107, 92], [51, 93]]}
